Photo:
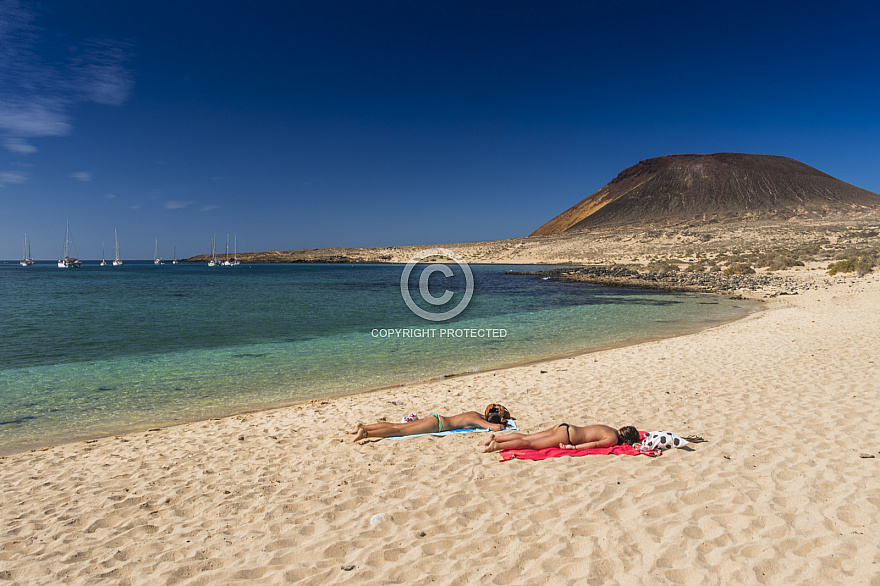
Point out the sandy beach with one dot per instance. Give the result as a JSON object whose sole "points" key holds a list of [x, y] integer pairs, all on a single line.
{"points": [[233, 237], [785, 490]]}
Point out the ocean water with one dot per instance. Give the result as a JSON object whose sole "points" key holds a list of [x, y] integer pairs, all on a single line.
{"points": [[102, 350]]}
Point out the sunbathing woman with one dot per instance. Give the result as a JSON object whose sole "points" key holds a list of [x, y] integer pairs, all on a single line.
{"points": [[434, 424], [570, 437]]}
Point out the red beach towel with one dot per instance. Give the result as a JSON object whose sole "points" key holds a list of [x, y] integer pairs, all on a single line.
{"points": [[623, 449]]}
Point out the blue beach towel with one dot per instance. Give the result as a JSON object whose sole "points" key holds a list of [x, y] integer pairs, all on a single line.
{"points": [[511, 426]]}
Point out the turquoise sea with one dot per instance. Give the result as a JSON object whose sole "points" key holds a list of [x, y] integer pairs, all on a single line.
{"points": [[97, 351]]}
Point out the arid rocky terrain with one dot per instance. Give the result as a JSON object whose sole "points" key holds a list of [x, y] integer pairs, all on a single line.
{"points": [[701, 246], [726, 213], [680, 189]]}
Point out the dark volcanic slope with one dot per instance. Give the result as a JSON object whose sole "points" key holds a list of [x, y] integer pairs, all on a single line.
{"points": [[698, 188]]}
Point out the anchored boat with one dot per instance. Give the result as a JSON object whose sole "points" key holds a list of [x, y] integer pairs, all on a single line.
{"points": [[66, 261], [26, 259]]}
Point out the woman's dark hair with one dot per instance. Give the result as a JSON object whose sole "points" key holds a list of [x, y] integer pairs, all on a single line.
{"points": [[496, 413], [628, 435]]}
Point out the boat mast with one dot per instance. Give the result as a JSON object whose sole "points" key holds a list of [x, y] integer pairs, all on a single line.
{"points": [[116, 261], [26, 259], [67, 242]]}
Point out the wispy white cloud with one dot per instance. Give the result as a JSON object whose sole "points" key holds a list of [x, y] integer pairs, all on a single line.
{"points": [[11, 177], [17, 145], [45, 116], [111, 196], [37, 90], [82, 175], [208, 208], [176, 205], [99, 74]]}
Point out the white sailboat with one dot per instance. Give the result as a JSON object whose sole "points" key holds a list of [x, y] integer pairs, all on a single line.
{"points": [[26, 259], [227, 263], [156, 259], [235, 253], [67, 262], [214, 262], [116, 261], [103, 262], [174, 262]]}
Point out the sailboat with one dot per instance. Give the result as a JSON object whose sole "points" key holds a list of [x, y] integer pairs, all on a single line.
{"points": [[156, 259], [26, 259], [174, 262], [103, 262], [234, 261], [214, 262], [227, 263], [116, 261], [235, 253], [66, 261]]}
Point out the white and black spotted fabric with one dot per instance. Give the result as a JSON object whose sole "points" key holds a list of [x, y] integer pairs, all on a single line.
{"points": [[662, 440]]}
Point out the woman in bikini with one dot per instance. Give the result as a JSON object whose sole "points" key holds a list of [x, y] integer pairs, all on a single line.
{"points": [[433, 424], [570, 437]]}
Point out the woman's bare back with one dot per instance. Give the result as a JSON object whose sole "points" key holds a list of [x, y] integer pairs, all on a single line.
{"points": [[586, 434], [469, 420]]}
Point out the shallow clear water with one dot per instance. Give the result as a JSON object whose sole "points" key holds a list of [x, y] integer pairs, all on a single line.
{"points": [[100, 350]]}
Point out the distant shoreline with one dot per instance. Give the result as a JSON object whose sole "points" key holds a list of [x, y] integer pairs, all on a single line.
{"points": [[687, 243]]}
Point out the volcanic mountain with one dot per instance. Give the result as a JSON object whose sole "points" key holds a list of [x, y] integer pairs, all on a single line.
{"points": [[679, 189]]}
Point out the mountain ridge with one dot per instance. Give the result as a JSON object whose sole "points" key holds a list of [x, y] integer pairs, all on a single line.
{"points": [[701, 188]]}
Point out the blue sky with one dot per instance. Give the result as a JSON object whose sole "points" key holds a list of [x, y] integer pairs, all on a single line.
{"points": [[351, 123]]}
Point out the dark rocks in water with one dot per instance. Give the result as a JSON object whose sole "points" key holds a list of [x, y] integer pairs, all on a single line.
{"points": [[677, 189], [17, 421], [706, 282]]}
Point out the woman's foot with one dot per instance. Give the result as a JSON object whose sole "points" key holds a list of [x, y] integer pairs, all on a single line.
{"points": [[356, 428], [488, 440], [491, 447], [361, 434]]}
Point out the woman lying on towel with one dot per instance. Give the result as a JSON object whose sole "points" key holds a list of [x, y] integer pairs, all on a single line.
{"points": [[495, 418], [570, 437]]}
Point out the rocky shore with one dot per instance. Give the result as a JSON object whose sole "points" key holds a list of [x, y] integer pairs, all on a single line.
{"points": [[755, 285]]}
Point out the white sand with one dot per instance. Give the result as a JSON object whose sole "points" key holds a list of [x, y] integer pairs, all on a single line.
{"points": [[787, 398]]}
